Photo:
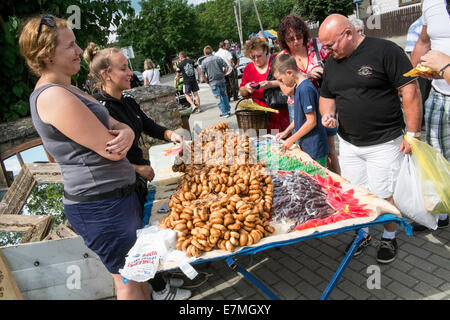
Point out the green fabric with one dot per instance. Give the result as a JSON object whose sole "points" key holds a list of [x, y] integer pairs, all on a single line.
{"points": [[186, 112], [322, 161], [180, 83], [282, 162]]}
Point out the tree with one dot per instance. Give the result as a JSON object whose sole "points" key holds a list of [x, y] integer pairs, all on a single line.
{"points": [[162, 28], [46, 199], [16, 83], [318, 10], [273, 11], [216, 22]]}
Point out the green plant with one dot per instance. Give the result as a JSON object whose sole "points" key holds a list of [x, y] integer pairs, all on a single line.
{"points": [[96, 19], [16, 82], [318, 10]]}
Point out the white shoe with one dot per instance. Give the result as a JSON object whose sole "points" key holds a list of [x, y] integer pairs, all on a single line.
{"points": [[194, 108], [171, 293], [175, 282]]}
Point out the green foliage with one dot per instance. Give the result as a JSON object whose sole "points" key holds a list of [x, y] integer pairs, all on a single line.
{"points": [[318, 10], [46, 199], [164, 27], [161, 28], [17, 82], [10, 238], [216, 23], [272, 12]]}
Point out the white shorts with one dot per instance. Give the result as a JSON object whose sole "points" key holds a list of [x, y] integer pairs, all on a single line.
{"points": [[375, 167]]}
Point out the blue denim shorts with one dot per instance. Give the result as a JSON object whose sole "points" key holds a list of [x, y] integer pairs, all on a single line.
{"points": [[108, 227], [331, 131]]}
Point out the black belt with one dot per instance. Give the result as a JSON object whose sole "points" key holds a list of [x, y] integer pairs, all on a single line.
{"points": [[116, 193]]}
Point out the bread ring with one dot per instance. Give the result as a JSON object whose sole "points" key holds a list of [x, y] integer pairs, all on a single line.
{"points": [[234, 241], [217, 221], [229, 246], [185, 244], [220, 227], [243, 239], [197, 244], [234, 234]]}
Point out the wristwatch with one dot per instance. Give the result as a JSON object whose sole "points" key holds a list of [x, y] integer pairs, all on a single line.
{"points": [[441, 72], [414, 134]]}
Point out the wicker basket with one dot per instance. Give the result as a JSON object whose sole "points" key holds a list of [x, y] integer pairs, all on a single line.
{"points": [[251, 119]]}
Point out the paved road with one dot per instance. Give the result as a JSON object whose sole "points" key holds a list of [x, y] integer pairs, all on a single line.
{"points": [[302, 271]]}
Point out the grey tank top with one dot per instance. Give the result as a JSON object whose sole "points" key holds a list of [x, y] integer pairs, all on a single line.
{"points": [[84, 172]]}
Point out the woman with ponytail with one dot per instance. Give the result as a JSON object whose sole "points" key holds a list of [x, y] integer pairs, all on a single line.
{"points": [[110, 76]]}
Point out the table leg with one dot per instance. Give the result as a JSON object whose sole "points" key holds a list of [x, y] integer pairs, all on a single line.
{"points": [[348, 257], [235, 266]]}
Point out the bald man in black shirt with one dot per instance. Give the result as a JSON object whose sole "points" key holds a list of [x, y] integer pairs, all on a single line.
{"points": [[362, 85]]}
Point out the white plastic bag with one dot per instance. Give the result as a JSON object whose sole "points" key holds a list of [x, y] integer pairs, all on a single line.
{"points": [[408, 195], [143, 258]]}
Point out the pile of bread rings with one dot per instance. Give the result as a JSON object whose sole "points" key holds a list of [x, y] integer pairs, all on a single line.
{"points": [[221, 206]]}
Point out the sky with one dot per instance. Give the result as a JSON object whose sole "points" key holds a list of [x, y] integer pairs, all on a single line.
{"points": [[28, 156]]}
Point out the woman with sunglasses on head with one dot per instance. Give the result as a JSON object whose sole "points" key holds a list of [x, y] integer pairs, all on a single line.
{"points": [[90, 147], [110, 76], [254, 81], [294, 39]]}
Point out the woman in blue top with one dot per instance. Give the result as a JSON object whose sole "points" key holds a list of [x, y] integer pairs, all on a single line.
{"points": [[90, 146]]}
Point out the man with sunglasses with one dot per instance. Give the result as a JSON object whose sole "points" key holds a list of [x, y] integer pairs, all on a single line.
{"points": [[362, 85]]}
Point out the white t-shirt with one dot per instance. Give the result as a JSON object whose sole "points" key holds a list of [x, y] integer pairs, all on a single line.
{"points": [[225, 55], [152, 76], [437, 20]]}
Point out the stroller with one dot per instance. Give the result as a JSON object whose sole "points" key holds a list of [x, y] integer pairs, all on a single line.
{"points": [[179, 95]]}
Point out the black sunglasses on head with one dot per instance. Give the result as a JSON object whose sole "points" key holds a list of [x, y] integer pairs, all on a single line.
{"points": [[48, 20]]}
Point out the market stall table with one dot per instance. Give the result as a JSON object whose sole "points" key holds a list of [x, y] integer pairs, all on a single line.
{"points": [[380, 215]]}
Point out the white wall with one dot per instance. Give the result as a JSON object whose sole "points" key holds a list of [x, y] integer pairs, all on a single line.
{"points": [[386, 5]]}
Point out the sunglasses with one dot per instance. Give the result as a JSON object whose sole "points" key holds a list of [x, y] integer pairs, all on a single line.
{"points": [[298, 37], [330, 47], [256, 56], [49, 21]]}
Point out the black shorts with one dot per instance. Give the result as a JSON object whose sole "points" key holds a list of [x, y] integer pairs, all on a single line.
{"points": [[190, 86]]}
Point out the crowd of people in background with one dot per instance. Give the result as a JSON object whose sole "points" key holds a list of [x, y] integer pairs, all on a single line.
{"points": [[341, 84]]}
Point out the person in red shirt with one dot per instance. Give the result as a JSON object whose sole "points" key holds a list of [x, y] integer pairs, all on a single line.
{"points": [[255, 73]]}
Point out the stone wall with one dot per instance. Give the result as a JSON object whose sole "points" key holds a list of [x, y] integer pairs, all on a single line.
{"points": [[15, 133], [159, 103]]}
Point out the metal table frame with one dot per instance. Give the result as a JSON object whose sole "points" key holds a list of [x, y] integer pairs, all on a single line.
{"points": [[233, 264]]}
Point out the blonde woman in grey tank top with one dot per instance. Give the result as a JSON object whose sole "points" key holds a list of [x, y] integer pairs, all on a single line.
{"points": [[89, 145]]}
